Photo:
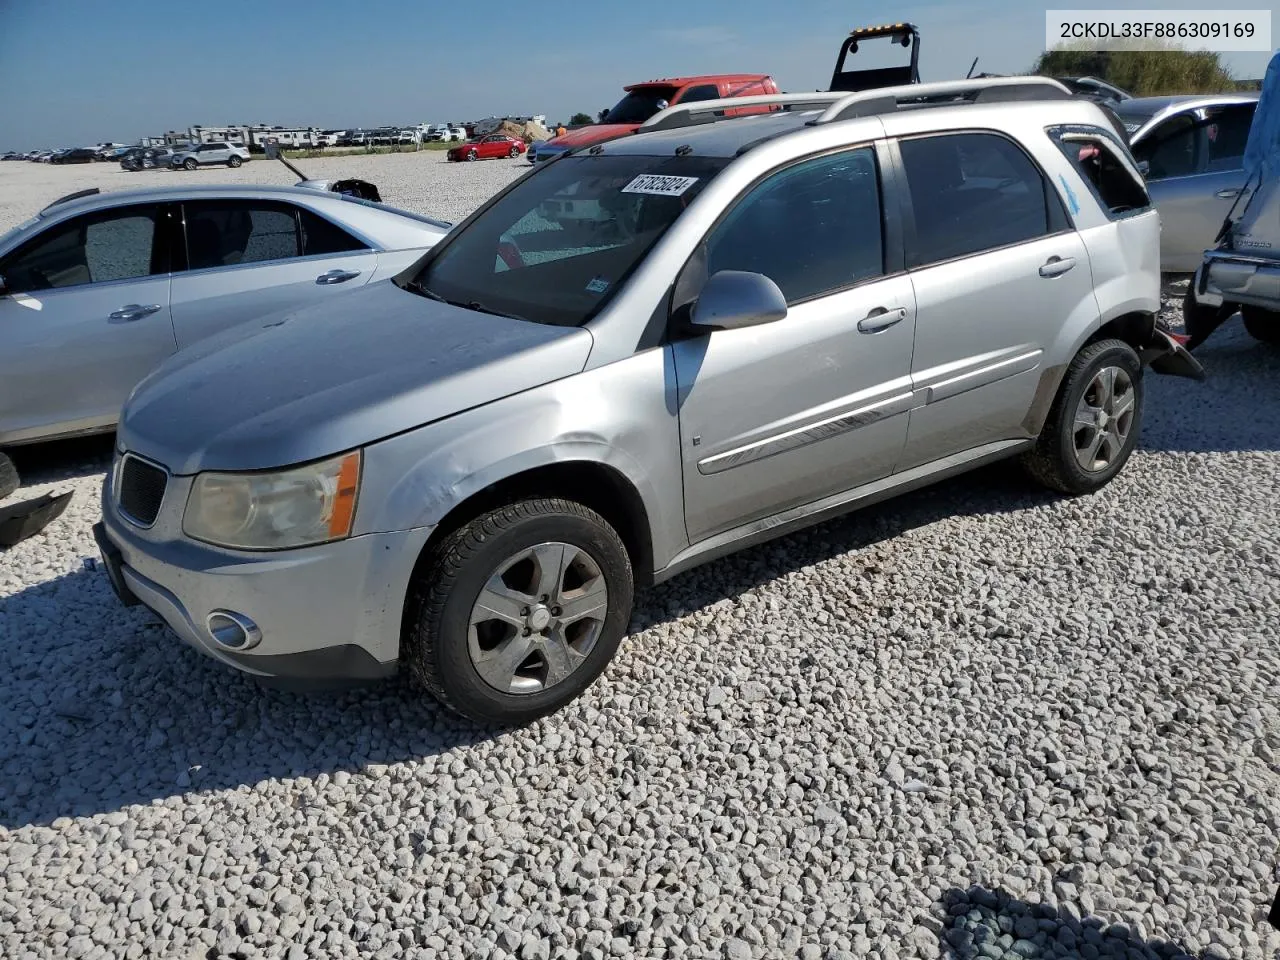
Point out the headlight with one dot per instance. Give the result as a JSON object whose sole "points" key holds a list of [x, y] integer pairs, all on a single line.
{"points": [[278, 510]]}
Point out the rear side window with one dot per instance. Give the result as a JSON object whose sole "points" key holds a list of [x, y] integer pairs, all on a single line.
{"points": [[1116, 187], [706, 91], [972, 192], [319, 236], [224, 233], [813, 228]]}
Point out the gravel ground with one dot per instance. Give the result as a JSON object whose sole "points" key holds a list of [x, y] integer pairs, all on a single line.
{"points": [[979, 721]]}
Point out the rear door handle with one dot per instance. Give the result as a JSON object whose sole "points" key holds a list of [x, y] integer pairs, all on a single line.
{"points": [[881, 319], [337, 276], [1228, 194], [134, 311], [1057, 266]]}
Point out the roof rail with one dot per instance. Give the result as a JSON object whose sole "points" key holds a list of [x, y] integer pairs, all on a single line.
{"points": [[704, 111], [92, 191], [846, 106], [985, 90]]}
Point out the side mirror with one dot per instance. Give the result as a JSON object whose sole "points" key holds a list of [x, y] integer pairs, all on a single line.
{"points": [[732, 299]]}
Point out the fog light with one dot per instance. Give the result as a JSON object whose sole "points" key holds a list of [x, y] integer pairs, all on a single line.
{"points": [[233, 631]]}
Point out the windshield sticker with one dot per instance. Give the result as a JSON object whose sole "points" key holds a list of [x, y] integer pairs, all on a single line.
{"points": [[597, 285], [659, 186]]}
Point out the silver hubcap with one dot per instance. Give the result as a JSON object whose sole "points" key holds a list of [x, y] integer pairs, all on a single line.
{"points": [[1104, 418], [537, 618]]}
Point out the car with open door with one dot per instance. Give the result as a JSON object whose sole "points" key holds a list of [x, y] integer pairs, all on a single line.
{"points": [[745, 324], [98, 288]]}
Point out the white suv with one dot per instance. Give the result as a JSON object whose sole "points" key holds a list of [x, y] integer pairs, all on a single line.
{"points": [[208, 154]]}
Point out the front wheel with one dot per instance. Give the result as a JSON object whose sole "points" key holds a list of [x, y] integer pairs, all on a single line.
{"points": [[1093, 424], [234, 162], [471, 155], [513, 152], [517, 612], [190, 164], [1261, 324]]}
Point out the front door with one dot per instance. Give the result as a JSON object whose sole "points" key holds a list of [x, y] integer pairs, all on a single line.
{"points": [[998, 272], [85, 316], [783, 414], [1195, 173], [250, 258]]}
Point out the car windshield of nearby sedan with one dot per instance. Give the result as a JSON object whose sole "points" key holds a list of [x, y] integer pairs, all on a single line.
{"points": [[558, 245], [1131, 117], [639, 105]]}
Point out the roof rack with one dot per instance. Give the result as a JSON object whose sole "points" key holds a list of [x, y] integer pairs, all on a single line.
{"points": [[92, 191], [846, 106]]}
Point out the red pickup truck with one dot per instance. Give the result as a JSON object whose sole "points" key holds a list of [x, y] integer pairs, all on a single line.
{"points": [[643, 100]]}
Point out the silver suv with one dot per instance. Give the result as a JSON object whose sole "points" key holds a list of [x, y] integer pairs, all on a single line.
{"points": [[642, 356], [209, 154]]}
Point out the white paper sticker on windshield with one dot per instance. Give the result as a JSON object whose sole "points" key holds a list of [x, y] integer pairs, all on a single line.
{"points": [[659, 186]]}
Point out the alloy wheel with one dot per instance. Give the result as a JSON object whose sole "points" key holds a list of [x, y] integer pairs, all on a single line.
{"points": [[537, 618], [1103, 419]]}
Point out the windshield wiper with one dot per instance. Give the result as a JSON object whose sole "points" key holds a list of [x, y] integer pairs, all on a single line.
{"points": [[416, 286]]}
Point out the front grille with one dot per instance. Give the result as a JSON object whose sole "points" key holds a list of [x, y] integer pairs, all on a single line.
{"points": [[141, 490]]}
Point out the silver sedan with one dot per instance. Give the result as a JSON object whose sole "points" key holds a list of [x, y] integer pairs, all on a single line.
{"points": [[97, 289]]}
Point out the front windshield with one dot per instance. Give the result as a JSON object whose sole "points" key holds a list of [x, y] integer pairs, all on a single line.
{"points": [[1132, 119], [639, 105], [558, 245]]}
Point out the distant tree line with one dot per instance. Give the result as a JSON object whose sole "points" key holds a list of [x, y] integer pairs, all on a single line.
{"points": [[1144, 73]]}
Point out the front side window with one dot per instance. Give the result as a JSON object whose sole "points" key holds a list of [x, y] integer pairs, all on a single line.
{"points": [[972, 192], [706, 91], [223, 233], [813, 228], [557, 246], [95, 248], [1172, 149]]}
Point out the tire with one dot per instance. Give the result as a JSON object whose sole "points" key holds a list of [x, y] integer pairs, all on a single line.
{"points": [[456, 662], [1056, 459], [8, 477], [471, 155], [1263, 325], [234, 161], [513, 153], [190, 164], [1199, 320]]}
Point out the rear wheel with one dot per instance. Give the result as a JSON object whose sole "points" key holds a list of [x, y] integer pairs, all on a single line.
{"points": [[471, 155], [235, 161], [513, 152], [1094, 422], [518, 612], [8, 476], [190, 164], [1262, 324]]}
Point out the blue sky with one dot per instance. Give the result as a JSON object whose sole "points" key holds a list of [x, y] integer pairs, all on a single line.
{"points": [[84, 71]]}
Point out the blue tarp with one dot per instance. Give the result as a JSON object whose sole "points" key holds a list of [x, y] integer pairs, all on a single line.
{"points": [[1262, 152]]}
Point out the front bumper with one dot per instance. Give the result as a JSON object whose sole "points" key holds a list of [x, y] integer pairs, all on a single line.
{"points": [[329, 613], [1226, 278]]}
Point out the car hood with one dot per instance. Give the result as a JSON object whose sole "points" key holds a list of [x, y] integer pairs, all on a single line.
{"points": [[595, 133], [306, 384]]}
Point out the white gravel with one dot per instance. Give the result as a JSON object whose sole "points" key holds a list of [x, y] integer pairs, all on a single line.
{"points": [[979, 721]]}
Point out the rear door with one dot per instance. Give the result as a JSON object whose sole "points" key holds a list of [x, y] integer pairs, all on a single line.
{"points": [[997, 272], [1196, 172], [245, 259], [85, 318]]}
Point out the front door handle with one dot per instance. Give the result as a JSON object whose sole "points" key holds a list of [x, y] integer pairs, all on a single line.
{"points": [[881, 319], [1229, 194], [134, 311], [337, 276], [1057, 266]]}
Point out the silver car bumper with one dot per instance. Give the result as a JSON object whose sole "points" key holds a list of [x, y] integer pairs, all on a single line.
{"points": [[319, 614], [1234, 278]]}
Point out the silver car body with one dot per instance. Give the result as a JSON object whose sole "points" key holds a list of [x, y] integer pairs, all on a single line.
{"points": [[217, 153], [69, 356], [1194, 201], [707, 444]]}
